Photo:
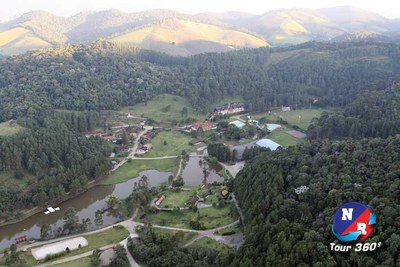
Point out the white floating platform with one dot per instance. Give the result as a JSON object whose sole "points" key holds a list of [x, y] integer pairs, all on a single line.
{"points": [[51, 210]]}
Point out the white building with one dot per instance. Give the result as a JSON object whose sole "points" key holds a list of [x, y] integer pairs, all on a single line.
{"points": [[40, 253]]}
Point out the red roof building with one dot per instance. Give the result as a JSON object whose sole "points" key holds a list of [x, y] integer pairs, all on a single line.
{"points": [[205, 126]]}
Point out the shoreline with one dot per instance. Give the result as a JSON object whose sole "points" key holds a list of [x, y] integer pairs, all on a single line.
{"points": [[36, 210]]}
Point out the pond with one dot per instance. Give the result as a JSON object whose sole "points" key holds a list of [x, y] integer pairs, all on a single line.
{"points": [[193, 175], [86, 204]]}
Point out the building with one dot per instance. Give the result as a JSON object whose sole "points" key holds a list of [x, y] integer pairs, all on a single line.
{"points": [[147, 147], [267, 143], [192, 200], [205, 126], [227, 109], [196, 141], [159, 200], [40, 253], [285, 108], [119, 126]]}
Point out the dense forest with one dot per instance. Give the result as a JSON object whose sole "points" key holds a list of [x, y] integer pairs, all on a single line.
{"points": [[285, 228], [48, 160], [106, 76], [371, 114]]}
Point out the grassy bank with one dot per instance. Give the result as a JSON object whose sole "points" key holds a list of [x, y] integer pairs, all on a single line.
{"points": [[132, 169]]}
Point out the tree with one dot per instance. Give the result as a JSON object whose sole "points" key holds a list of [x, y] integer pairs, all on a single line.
{"points": [[120, 258], [125, 139], [113, 202], [98, 220], [95, 258], [45, 231], [71, 222], [184, 112]]}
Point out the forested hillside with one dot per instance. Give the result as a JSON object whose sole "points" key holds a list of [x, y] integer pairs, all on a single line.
{"points": [[46, 161], [285, 228], [372, 114], [106, 76]]}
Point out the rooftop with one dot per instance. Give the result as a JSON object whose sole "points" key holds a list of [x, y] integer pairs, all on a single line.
{"points": [[267, 143]]}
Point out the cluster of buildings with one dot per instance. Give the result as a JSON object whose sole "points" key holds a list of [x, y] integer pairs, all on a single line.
{"points": [[227, 109]]}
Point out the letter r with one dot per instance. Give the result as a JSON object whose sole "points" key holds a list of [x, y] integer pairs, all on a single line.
{"points": [[362, 227]]}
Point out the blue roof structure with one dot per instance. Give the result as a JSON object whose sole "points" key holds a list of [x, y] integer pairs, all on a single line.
{"points": [[267, 143]]}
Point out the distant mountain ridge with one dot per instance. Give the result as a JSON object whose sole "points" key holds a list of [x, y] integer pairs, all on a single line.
{"points": [[181, 34]]}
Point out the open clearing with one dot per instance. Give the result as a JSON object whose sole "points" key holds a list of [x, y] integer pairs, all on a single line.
{"points": [[210, 243], [169, 144], [300, 117], [165, 109], [177, 199], [9, 128], [131, 169]]}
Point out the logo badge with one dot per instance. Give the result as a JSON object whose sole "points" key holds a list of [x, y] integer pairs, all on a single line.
{"points": [[353, 221]]}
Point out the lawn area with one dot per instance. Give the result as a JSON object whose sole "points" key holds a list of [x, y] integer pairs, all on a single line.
{"points": [[209, 217], [82, 262], [284, 139], [9, 128], [210, 243], [175, 143], [132, 169], [177, 199], [164, 108]]}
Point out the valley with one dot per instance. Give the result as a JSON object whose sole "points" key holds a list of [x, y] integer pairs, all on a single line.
{"points": [[212, 139]]}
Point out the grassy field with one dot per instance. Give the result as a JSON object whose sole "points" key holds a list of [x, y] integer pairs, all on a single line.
{"points": [[300, 117], [100, 239], [164, 108], [177, 199], [82, 262], [175, 143], [207, 242], [9, 128], [209, 217], [284, 139], [132, 169]]}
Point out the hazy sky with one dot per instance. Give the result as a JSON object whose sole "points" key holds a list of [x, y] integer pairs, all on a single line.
{"points": [[12, 8]]}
